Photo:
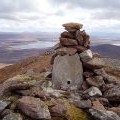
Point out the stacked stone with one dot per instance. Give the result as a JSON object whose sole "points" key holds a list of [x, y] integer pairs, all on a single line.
{"points": [[77, 70], [73, 40], [74, 49]]}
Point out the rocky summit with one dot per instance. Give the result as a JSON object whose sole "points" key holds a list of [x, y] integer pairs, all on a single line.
{"points": [[75, 86]]}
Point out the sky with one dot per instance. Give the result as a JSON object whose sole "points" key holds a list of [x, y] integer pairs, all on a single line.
{"points": [[49, 15]]}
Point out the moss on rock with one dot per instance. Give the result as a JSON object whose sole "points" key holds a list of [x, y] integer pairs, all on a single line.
{"points": [[72, 113]]}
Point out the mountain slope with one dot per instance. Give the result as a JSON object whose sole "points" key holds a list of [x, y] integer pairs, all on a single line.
{"points": [[107, 50], [38, 63]]}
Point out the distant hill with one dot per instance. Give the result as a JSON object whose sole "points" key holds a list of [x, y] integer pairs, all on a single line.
{"points": [[107, 50]]}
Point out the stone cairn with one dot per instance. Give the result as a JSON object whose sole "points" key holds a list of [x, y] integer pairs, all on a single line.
{"points": [[77, 88], [73, 60], [78, 70]]}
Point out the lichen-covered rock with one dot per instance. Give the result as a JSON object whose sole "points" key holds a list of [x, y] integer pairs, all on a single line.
{"points": [[74, 113], [113, 94], [13, 116], [34, 108], [93, 92], [71, 112], [96, 81], [3, 104], [59, 110], [12, 84], [86, 55], [97, 105], [85, 104], [116, 110], [67, 72], [103, 115]]}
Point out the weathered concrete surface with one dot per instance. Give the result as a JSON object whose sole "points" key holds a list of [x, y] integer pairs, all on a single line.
{"points": [[67, 72]]}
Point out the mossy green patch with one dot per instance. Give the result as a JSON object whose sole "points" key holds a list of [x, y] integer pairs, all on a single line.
{"points": [[22, 77], [72, 113], [13, 98], [26, 78]]}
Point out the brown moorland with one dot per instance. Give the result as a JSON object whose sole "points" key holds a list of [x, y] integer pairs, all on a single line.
{"points": [[39, 64]]}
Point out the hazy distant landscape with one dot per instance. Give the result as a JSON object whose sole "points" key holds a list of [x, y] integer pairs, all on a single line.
{"points": [[17, 46]]}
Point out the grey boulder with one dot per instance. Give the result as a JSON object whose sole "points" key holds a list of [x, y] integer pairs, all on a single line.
{"points": [[34, 108], [3, 105], [103, 115], [13, 116], [93, 92], [86, 55], [113, 94]]}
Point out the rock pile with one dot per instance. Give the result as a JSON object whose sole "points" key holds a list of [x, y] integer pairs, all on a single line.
{"points": [[75, 68], [77, 88], [72, 57]]}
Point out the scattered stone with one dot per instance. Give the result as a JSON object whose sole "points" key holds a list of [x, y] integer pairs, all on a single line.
{"points": [[34, 108], [13, 116], [116, 110], [68, 42], [85, 86], [85, 104], [3, 104], [77, 77], [103, 115], [110, 79], [56, 93], [95, 63], [100, 72], [59, 110], [5, 112], [88, 74], [104, 101], [97, 105], [72, 27], [66, 51], [86, 55], [93, 92], [113, 94], [67, 72], [96, 81], [48, 74], [12, 84]]}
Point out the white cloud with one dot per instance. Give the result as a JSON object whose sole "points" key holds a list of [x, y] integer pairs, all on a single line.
{"points": [[44, 15]]}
